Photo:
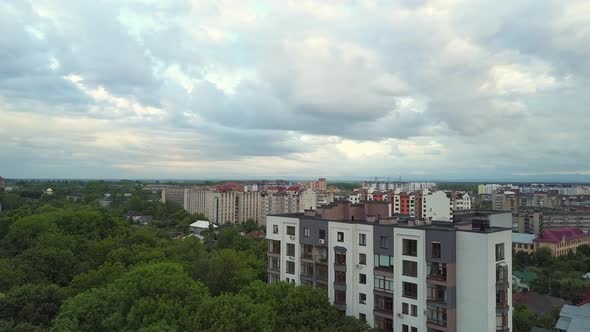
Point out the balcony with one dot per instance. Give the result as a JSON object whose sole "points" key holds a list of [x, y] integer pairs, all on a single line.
{"points": [[323, 260], [502, 278], [438, 323], [274, 248], [388, 269]]}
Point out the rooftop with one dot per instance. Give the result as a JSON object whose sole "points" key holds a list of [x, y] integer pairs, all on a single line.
{"points": [[523, 238], [561, 234], [574, 319], [202, 224]]}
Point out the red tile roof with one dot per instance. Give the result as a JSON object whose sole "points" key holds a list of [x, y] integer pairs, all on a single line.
{"points": [[560, 234]]}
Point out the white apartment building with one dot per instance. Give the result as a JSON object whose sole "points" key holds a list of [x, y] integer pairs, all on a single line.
{"points": [[439, 205], [399, 276]]}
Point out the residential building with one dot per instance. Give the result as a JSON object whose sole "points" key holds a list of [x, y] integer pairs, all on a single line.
{"points": [[308, 200], [174, 195], [573, 318], [199, 226], [505, 200], [561, 241], [320, 184], [534, 221], [522, 279], [2, 184], [522, 242], [399, 275]]}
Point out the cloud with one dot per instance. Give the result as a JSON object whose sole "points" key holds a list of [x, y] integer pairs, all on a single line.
{"points": [[440, 88]]}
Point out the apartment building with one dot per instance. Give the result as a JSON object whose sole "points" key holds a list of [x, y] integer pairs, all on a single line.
{"points": [[404, 203], [2, 184], [523, 243], [439, 205], [174, 195], [505, 200], [534, 221], [399, 275]]}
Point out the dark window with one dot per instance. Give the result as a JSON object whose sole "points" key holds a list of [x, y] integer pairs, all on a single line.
{"points": [[339, 297], [275, 229], [499, 251], [435, 250], [340, 237], [414, 329], [322, 234], [383, 284], [363, 278], [362, 239], [340, 258], [340, 277], [410, 290], [290, 230], [414, 310], [290, 249], [383, 242], [410, 268], [405, 308], [363, 317], [363, 259], [405, 328], [410, 247], [290, 267], [362, 298]]}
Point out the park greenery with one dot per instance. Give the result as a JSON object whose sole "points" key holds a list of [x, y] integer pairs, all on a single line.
{"points": [[74, 265]]}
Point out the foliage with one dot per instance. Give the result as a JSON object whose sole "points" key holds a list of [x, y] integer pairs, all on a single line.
{"points": [[70, 265]]}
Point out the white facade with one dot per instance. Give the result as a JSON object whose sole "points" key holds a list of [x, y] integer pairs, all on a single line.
{"points": [[476, 306], [436, 206], [307, 200]]}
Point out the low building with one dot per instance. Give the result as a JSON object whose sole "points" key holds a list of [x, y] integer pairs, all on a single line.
{"points": [[522, 242], [574, 319], [199, 226], [563, 240], [522, 279]]}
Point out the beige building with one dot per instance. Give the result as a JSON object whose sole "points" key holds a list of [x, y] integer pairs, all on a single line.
{"points": [[562, 241], [523, 243], [506, 200], [535, 221]]}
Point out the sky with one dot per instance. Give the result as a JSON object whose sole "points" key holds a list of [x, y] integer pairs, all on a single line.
{"points": [[442, 89]]}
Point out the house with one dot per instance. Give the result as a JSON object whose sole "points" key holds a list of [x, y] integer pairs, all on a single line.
{"points": [[200, 225], [259, 234], [574, 318], [521, 279]]}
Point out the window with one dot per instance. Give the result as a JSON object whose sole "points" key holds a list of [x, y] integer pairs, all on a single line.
{"points": [[340, 258], [363, 259], [410, 247], [383, 284], [384, 262], [435, 250], [306, 232], [437, 315], [362, 278], [405, 328], [414, 310], [275, 229], [383, 242], [414, 329], [340, 237], [499, 251], [339, 297], [362, 298], [410, 290], [290, 267], [410, 268], [290, 249], [362, 239], [322, 234], [340, 277], [363, 317], [290, 230], [405, 309]]}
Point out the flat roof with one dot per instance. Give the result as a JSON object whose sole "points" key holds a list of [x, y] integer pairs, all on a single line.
{"points": [[523, 238]]}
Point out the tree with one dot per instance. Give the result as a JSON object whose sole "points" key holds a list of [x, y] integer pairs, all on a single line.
{"points": [[234, 312], [522, 319], [160, 295], [34, 304]]}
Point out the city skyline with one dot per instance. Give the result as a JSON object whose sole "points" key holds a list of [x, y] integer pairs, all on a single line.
{"points": [[430, 90]]}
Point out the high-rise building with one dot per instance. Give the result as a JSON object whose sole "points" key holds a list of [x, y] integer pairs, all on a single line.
{"points": [[399, 275]]}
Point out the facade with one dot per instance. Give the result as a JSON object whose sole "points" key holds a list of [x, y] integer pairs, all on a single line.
{"points": [[534, 221], [174, 195], [562, 241], [2, 184], [398, 275], [505, 200], [523, 243]]}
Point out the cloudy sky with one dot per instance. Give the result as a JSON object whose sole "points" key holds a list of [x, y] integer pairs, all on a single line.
{"points": [[294, 88]]}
